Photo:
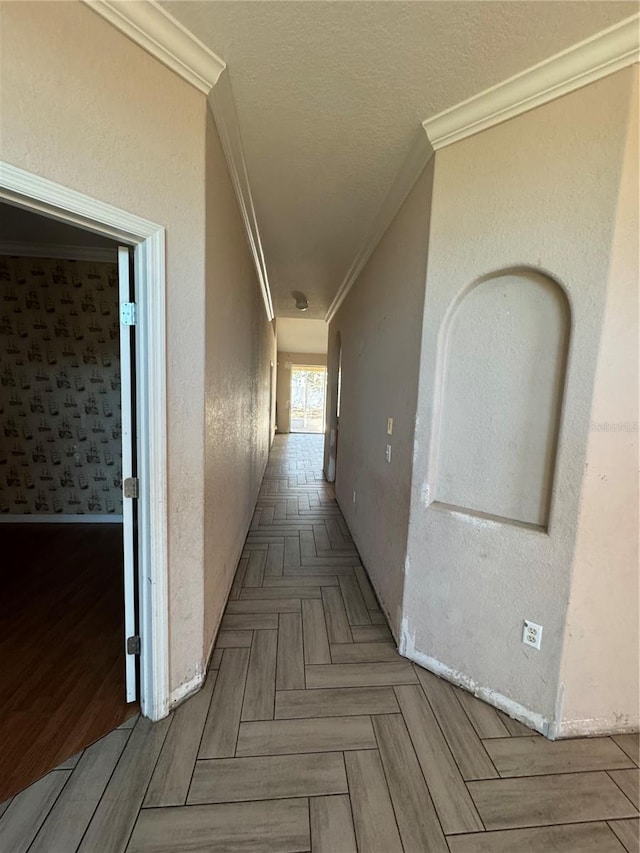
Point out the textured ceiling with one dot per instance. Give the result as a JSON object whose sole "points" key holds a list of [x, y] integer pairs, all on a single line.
{"points": [[330, 96]]}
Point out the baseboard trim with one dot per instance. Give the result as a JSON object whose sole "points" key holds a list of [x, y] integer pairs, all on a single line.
{"points": [[596, 727], [186, 690], [524, 715], [60, 519]]}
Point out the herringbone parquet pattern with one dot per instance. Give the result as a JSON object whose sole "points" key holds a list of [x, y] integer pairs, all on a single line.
{"points": [[311, 733]]}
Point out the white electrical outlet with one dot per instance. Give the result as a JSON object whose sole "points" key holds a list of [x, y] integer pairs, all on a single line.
{"points": [[387, 453], [532, 634], [389, 426]]}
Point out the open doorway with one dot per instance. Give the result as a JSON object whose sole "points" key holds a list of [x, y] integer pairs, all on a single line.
{"points": [[28, 191], [308, 393], [66, 412], [301, 375]]}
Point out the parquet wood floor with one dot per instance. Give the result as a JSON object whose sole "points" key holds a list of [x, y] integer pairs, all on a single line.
{"points": [[312, 734], [61, 645]]}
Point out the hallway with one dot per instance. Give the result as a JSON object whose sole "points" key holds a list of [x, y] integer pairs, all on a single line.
{"points": [[311, 733]]}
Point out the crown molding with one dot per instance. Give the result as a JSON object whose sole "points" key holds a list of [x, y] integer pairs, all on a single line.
{"points": [[419, 155], [223, 107], [604, 53], [160, 34], [94, 254], [147, 24], [583, 63]]}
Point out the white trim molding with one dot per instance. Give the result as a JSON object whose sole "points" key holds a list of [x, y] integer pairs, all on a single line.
{"points": [[40, 195], [152, 452], [223, 107], [583, 63], [155, 30], [419, 155], [147, 24], [94, 254]]}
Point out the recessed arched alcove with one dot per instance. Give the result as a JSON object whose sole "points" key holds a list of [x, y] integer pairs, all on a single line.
{"points": [[501, 388]]}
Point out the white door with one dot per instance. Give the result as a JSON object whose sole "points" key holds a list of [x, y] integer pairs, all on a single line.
{"points": [[129, 481]]}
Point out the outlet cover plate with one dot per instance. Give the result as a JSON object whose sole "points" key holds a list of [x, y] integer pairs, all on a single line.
{"points": [[532, 634]]}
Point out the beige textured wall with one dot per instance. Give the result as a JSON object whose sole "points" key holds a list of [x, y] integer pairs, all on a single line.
{"points": [[599, 675], [539, 191], [84, 106], [380, 324], [240, 345], [283, 389]]}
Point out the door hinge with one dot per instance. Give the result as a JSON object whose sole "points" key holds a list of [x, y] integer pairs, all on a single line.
{"points": [[130, 487], [133, 645], [128, 313]]}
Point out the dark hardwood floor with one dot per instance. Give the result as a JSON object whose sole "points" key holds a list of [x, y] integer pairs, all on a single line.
{"points": [[61, 638]]}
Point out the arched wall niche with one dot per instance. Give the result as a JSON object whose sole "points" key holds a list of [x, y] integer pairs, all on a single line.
{"points": [[502, 369]]}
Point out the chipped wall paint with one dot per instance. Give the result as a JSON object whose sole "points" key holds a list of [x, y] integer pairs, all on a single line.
{"points": [[181, 693], [460, 679], [594, 727]]}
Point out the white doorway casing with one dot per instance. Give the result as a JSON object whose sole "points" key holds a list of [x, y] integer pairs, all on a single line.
{"points": [[40, 195], [334, 389]]}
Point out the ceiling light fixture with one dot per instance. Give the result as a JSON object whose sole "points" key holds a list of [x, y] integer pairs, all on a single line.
{"points": [[302, 303]]}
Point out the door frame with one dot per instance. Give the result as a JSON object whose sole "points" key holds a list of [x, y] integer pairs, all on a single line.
{"points": [[40, 195], [334, 398]]}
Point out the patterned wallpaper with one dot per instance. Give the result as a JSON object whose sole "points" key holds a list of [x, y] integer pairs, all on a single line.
{"points": [[60, 448]]}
